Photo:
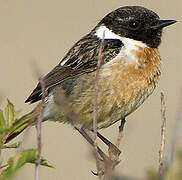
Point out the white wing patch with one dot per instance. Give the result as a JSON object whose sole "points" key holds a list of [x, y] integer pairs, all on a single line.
{"points": [[63, 62]]}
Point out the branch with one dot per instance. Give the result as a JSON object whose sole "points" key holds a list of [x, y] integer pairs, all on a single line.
{"points": [[38, 128], [3, 166], [163, 140], [96, 106]]}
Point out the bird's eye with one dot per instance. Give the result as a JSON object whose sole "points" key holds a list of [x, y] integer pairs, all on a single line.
{"points": [[133, 24], [154, 23]]}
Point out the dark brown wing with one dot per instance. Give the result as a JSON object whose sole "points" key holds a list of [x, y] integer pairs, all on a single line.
{"points": [[81, 58], [56, 76]]}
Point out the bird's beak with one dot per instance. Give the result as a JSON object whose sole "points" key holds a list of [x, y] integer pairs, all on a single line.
{"points": [[163, 23]]}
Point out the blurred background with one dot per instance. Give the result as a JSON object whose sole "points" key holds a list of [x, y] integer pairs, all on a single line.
{"points": [[36, 34]]}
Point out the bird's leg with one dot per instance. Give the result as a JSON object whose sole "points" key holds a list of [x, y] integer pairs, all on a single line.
{"points": [[120, 134], [83, 132], [109, 143], [121, 127], [102, 157], [109, 162]]}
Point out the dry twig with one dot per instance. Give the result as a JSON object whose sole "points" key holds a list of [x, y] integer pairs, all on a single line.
{"points": [[95, 107], [110, 161], [38, 128], [3, 166], [163, 140]]}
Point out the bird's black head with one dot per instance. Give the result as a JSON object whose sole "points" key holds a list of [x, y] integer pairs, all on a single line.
{"points": [[137, 23]]}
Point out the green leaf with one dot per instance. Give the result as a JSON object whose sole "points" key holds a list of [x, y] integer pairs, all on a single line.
{"points": [[44, 162], [14, 145], [19, 125], [16, 162], [9, 114], [10, 125], [16, 114], [2, 122], [22, 123]]}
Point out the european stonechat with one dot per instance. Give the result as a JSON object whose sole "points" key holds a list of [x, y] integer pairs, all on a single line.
{"points": [[128, 75]]}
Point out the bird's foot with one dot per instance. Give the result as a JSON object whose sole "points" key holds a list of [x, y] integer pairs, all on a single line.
{"points": [[109, 161]]}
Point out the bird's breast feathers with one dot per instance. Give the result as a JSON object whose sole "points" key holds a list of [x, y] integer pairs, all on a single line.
{"points": [[124, 84], [135, 61]]}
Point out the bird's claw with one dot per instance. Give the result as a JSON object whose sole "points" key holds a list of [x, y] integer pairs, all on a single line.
{"points": [[97, 174]]}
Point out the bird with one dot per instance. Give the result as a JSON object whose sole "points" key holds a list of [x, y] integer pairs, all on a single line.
{"points": [[129, 71]]}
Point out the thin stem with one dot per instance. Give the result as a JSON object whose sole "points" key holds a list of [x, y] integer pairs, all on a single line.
{"points": [[38, 128], [96, 106], [3, 166], [163, 140]]}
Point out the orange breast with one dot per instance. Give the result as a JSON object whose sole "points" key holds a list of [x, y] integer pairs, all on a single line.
{"points": [[127, 85]]}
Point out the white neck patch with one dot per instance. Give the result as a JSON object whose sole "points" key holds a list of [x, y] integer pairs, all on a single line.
{"points": [[108, 34], [129, 44]]}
